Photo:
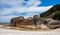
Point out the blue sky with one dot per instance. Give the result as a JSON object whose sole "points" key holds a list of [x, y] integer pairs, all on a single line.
{"points": [[26, 8], [49, 2]]}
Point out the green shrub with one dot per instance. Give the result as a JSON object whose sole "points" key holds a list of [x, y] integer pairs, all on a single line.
{"points": [[56, 16]]}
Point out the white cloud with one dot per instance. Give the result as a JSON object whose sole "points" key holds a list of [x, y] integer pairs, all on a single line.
{"points": [[30, 8], [18, 3], [12, 2], [34, 3], [24, 9], [30, 12], [38, 9]]}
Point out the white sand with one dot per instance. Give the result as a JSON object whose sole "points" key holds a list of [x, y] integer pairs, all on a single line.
{"points": [[18, 32]]}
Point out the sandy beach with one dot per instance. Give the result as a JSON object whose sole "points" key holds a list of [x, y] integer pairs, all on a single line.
{"points": [[5, 31]]}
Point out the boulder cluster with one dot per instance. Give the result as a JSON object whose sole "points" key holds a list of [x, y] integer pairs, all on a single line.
{"points": [[21, 21], [36, 20]]}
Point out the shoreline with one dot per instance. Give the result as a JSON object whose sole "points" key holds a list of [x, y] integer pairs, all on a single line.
{"points": [[13, 31], [26, 28], [20, 32]]}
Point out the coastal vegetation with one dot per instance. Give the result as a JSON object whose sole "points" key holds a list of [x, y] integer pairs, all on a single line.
{"points": [[49, 14]]}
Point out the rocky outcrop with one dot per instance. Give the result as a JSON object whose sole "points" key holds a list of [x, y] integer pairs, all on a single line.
{"points": [[46, 21], [13, 22], [21, 21], [37, 20], [28, 22], [17, 21], [52, 23]]}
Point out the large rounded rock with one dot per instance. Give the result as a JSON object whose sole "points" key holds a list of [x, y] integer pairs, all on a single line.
{"points": [[37, 20], [46, 21], [21, 17], [17, 21], [53, 24], [29, 18], [28, 21], [36, 16], [13, 22]]}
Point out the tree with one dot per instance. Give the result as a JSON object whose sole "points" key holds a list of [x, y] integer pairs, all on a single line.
{"points": [[56, 16]]}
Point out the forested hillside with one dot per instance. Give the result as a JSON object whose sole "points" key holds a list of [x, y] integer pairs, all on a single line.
{"points": [[51, 11]]}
